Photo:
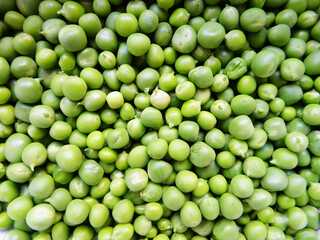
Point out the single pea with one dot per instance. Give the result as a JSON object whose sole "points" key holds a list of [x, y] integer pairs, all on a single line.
{"points": [[148, 21], [76, 212], [126, 24], [106, 40], [274, 179], [41, 217], [159, 171], [260, 199], [225, 228], [255, 230], [138, 44], [69, 158], [225, 200], [72, 38], [184, 39]]}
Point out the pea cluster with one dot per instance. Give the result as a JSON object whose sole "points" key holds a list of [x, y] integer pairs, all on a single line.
{"points": [[163, 119]]}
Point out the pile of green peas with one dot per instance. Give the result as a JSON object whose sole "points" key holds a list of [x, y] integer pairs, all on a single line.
{"points": [[163, 119]]}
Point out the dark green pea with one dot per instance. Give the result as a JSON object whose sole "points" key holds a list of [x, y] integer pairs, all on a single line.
{"points": [[7, 53], [253, 19], [14, 20], [298, 6], [312, 62]]}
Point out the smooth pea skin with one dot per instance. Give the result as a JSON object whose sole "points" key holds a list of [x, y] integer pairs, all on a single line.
{"points": [[190, 214], [241, 127], [77, 211], [184, 39], [41, 217], [211, 35], [265, 63], [227, 200]]}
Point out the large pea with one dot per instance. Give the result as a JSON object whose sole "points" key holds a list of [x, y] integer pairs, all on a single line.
{"points": [[41, 217], [184, 39], [123, 211], [201, 154], [77, 212], [190, 214], [275, 179], [226, 200], [265, 63], [14, 147], [209, 208], [211, 34], [72, 38], [241, 127]]}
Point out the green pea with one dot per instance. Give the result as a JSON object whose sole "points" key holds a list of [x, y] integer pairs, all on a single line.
{"points": [[184, 39], [211, 35], [255, 230], [159, 171], [190, 214], [123, 211], [148, 21], [225, 201], [260, 199], [6, 222], [226, 229], [138, 49], [152, 117], [253, 19], [41, 186], [264, 64], [123, 231], [69, 158], [76, 212], [266, 215], [152, 192], [241, 127], [98, 215], [41, 217], [254, 167], [60, 199], [72, 38], [19, 207], [275, 179], [242, 186], [229, 17]]}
